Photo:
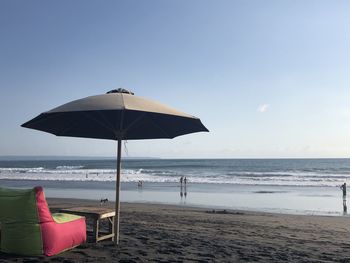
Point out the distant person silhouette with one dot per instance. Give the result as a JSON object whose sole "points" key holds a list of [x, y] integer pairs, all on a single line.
{"points": [[345, 208], [181, 186], [343, 187]]}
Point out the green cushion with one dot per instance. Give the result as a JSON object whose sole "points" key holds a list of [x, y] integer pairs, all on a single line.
{"points": [[20, 230], [63, 218], [22, 239], [18, 205]]}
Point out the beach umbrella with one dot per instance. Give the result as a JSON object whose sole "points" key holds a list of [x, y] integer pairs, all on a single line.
{"points": [[117, 115]]}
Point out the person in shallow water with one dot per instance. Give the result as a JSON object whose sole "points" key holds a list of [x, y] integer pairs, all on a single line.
{"points": [[343, 187]]}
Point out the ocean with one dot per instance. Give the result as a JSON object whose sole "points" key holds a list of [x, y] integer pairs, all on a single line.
{"points": [[298, 186]]}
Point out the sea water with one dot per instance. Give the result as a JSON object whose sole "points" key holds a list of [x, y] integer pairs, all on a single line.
{"points": [[299, 186]]}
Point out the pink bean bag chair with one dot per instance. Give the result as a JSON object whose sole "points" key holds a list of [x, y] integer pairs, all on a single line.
{"points": [[28, 227]]}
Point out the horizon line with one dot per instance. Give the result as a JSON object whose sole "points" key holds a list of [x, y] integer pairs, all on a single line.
{"points": [[77, 157]]}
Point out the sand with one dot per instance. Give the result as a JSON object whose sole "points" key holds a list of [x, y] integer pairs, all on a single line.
{"points": [[164, 233]]}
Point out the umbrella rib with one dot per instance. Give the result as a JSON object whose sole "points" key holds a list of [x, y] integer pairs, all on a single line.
{"points": [[159, 127], [135, 122], [121, 121], [99, 122], [68, 127], [106, 123], [38, 120]]}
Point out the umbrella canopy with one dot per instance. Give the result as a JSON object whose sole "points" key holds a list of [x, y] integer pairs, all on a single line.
{"points": [[117, 115]]}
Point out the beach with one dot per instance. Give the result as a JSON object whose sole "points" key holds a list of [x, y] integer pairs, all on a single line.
{"points": [[170, 233], [229, 210]]}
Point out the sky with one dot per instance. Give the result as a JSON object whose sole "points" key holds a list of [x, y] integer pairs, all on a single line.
{"points": [[269, 79]]}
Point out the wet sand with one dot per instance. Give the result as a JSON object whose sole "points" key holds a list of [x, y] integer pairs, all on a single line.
{"points": [[164, 233]]}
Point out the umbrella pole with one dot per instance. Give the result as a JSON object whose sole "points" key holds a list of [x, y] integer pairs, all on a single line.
{"points": [[117, 192]]}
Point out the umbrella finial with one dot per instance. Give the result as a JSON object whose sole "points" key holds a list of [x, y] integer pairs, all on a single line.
{"points": [[120, 90]]}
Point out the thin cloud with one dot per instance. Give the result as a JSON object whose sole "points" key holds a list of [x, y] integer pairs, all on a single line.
{"points": [[263, 108]]}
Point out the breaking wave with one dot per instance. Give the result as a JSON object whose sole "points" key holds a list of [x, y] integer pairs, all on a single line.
{"points": [[163, 175]]}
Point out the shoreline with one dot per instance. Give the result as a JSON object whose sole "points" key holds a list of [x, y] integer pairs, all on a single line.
{"points": [[91, 202], [170, 233], [262, 198]]}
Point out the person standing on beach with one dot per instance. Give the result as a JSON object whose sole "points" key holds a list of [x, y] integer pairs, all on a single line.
{"points": [[181, 186], [343, 187], [185, 182]]}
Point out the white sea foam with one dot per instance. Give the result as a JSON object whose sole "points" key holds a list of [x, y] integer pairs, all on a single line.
{"points": [[164, 175], [78, 173], [22, 170], [67, 167]]}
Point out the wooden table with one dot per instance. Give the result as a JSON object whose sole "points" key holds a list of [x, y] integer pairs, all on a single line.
{"points": [[96, 214]]}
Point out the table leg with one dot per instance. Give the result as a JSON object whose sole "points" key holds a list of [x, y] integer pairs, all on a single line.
{"points": [[95, 229], [111, 226]]}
